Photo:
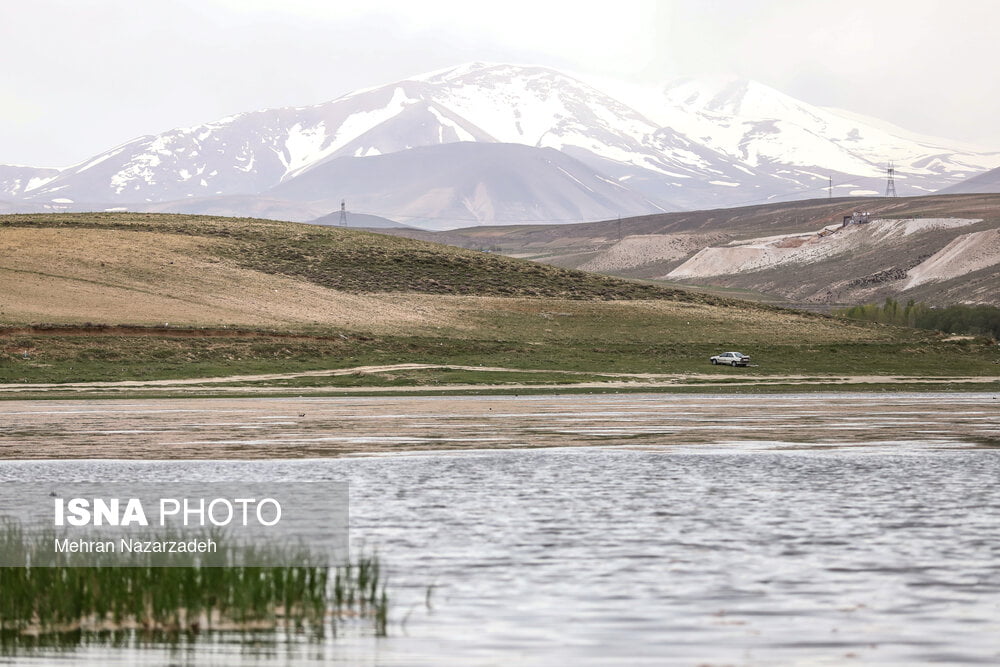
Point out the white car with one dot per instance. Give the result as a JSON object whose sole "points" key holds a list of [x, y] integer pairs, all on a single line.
{"points": [[731, 358]]}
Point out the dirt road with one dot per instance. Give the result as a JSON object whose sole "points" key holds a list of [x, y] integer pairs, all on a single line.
{"points": [[264, 383]]}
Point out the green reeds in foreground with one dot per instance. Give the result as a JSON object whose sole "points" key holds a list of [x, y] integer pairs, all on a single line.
{"points": [[90, 602]]}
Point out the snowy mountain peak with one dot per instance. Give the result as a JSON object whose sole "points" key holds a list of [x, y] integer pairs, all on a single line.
{"points": [[714, 142], [759, 125], [447, 73], [732, 96]]}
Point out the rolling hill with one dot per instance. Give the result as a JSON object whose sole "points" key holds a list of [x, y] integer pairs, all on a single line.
{"points": [[937, 249], [125, 296], [357, 221]]}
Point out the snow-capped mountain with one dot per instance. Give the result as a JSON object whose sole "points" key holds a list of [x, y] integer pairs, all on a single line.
{"points": [[710, 144], [251, 152], [805, 144], [468, 183], [16, 181]]}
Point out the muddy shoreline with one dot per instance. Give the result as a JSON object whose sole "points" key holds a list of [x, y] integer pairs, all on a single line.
{"points": [[274, 428]]}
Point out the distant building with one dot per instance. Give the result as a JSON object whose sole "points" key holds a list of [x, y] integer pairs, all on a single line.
{"points": [[856, 218]]}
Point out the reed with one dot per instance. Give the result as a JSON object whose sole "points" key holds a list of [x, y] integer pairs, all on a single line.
{"points": [[87, 604]]}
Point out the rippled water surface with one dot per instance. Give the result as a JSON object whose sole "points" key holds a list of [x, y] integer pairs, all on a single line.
{"points": [[751, 551]]}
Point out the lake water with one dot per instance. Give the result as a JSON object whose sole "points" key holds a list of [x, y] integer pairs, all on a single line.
{"points": [[855, 528]]}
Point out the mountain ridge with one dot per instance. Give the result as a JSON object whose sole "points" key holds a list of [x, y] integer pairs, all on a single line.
{"points": [[987, 182], [467, 182], [722, 146]]}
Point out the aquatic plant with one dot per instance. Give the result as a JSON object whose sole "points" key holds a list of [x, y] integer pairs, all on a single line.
{"points": [[84, 604]]}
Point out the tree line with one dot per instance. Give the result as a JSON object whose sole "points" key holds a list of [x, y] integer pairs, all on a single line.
{"points": [[961, 319]]}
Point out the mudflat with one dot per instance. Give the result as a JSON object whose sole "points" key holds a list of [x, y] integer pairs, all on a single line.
{"points": [[268, 428]]}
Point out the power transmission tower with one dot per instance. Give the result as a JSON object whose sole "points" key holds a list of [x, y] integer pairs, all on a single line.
{"points": [[830, 178], [343, 213], [890, 185]]}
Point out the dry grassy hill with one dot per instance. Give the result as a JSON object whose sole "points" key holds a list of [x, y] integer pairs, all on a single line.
{"points": [[119, 296], [199, 270]]}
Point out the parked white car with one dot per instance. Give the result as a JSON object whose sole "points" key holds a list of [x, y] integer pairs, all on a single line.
{"points": [[731, 359]]}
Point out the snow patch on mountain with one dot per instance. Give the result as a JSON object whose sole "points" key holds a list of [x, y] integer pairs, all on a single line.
{"points": [[307, 146], [37, 182], [762, 126], [17, 180], [700, 144], [101, 158], [447, 123]]}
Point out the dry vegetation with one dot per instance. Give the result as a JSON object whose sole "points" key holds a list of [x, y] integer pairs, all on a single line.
{"points": [[143, 296], [110, 276]]}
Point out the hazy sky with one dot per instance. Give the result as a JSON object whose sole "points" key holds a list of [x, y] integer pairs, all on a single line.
{"points": [[81, 76]]}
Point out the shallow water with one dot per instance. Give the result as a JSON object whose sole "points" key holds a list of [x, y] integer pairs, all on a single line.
{"points": [[882, 547], [329, 427]]}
